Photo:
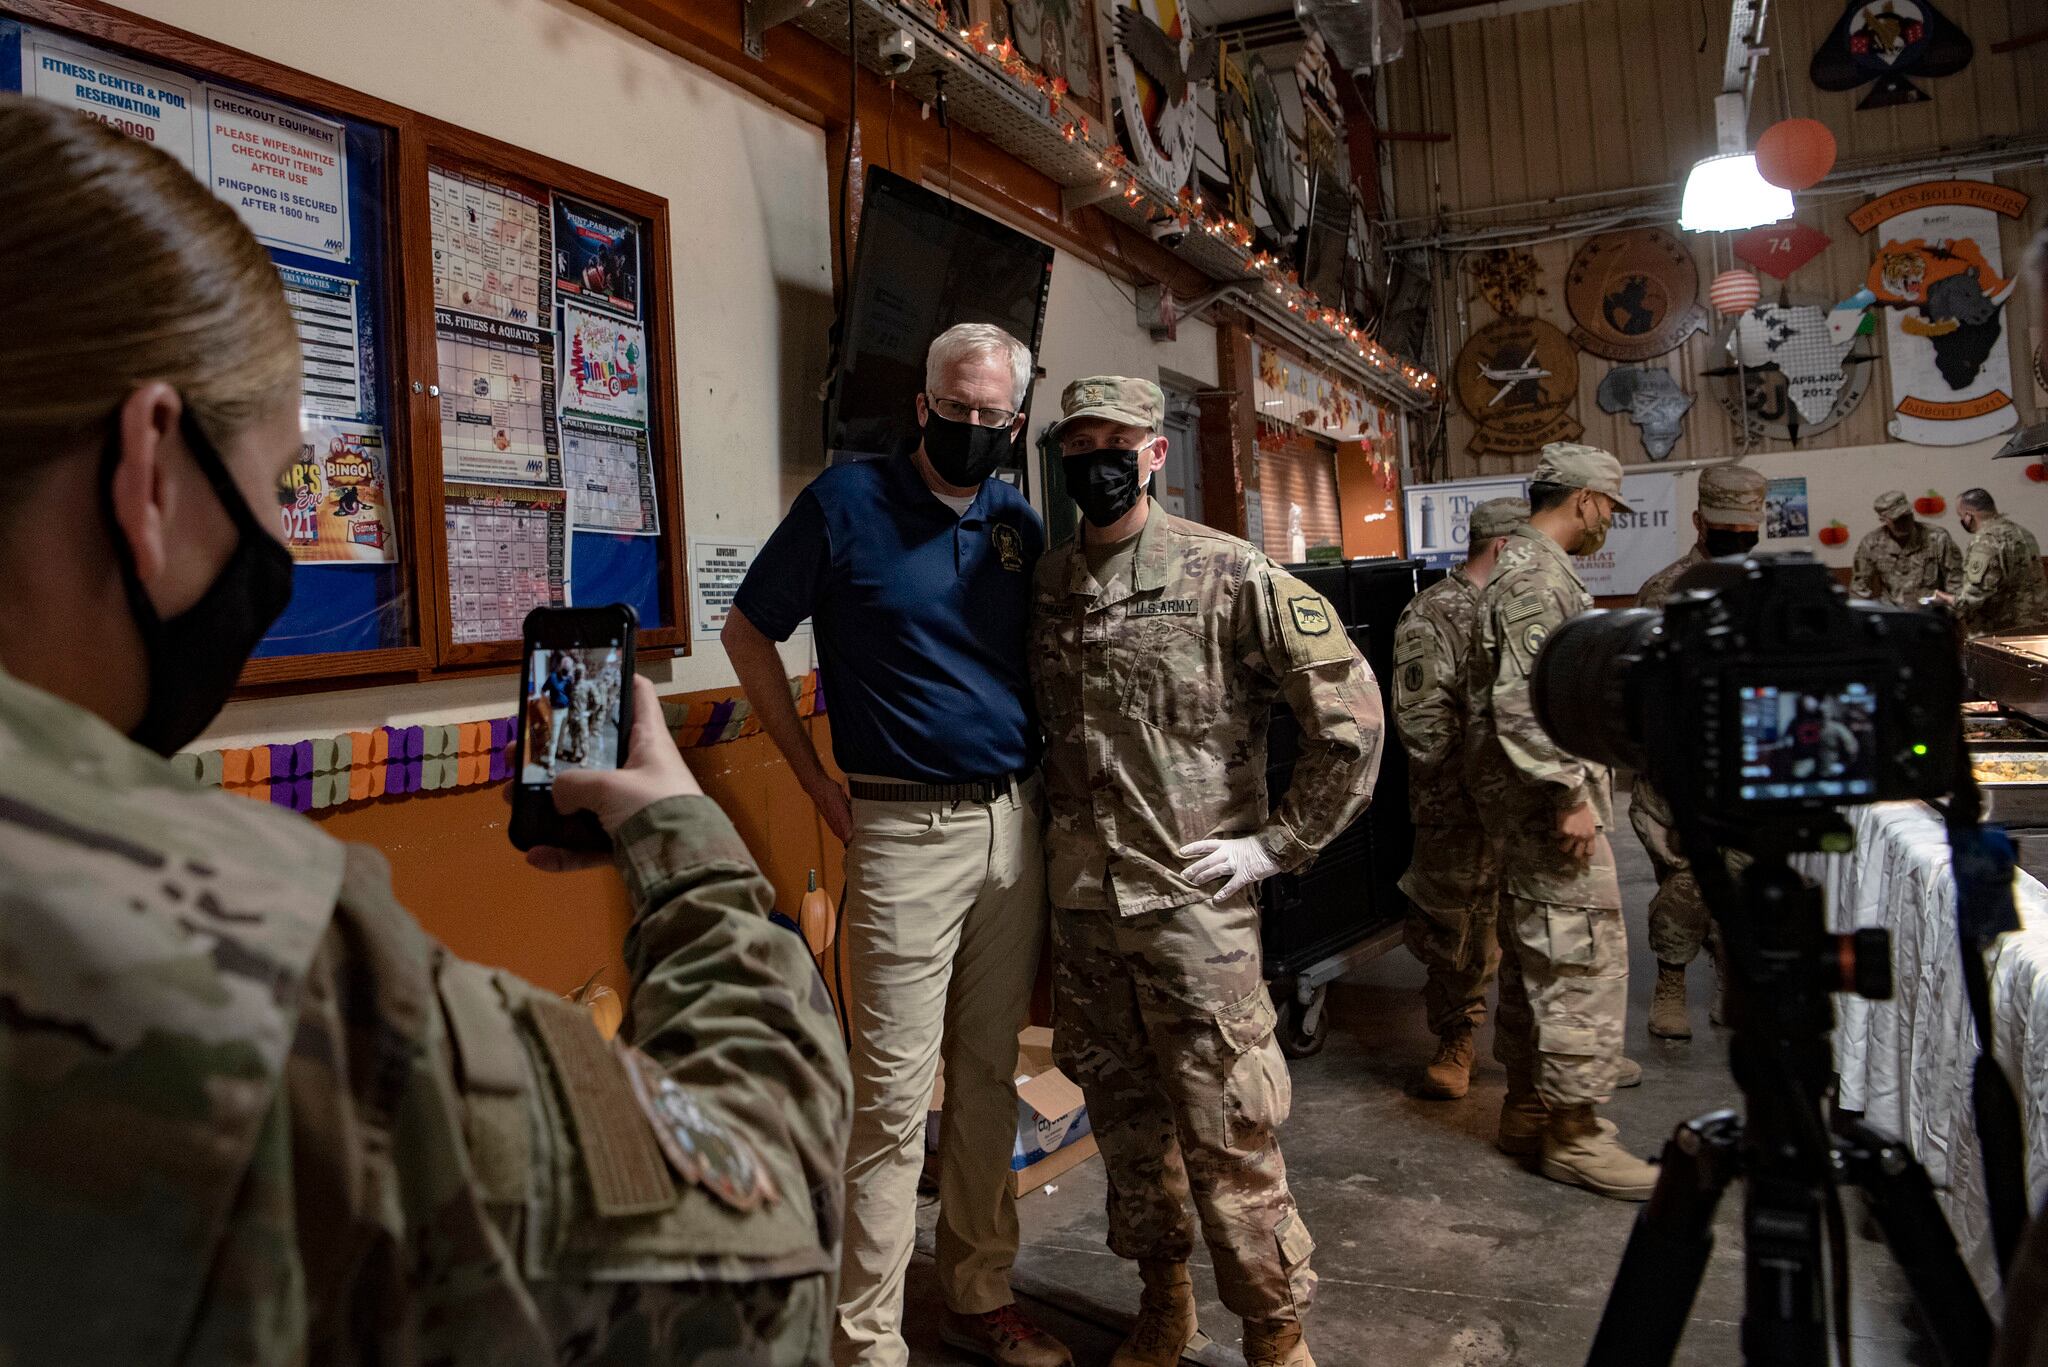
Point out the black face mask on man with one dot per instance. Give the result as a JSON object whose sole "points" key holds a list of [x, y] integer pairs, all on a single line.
{"points": [[963, 453], [1104, 483], [1720, 541], [195, 657]]}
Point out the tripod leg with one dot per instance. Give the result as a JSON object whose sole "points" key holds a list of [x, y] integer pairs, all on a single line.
{"points": [[1919, 1237], [1667, 1250]]}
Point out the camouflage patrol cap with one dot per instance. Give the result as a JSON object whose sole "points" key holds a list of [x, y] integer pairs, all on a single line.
{"points": [[1119, 398], [1575, 465], [1892, 504], [1497, 517], [1732, 496]]}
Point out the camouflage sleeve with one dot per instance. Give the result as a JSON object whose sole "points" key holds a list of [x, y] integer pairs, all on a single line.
{"points": [[1866, 581], [1297, 639], [727, 1001], [1426, 714], [1983, 573], [1521, 624], [1951, 565]]}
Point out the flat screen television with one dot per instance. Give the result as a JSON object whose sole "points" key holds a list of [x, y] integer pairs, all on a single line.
{"points": [[923, 263]]}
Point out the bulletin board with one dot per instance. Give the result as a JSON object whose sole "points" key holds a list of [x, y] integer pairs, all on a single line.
{"points": [[489, 401]]}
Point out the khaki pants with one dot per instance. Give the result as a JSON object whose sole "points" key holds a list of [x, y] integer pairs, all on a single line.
{"points": [[1163, 1020], [945, 926]]}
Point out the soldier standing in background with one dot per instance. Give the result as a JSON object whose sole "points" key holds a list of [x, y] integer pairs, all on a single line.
{"points": [[2004, 589], [1450, 882], [1905, 560], [1729, 519], [1564, 949], [1159, 647]]}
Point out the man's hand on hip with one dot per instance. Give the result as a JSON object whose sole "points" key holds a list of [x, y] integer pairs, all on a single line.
{"points": [[1578, 830], [1243, 861]]}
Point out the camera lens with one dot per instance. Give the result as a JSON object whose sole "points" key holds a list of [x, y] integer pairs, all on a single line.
{"points": [[1580, 687]]}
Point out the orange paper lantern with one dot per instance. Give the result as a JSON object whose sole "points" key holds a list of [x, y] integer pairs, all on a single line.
{"points": [[1794, 154]]}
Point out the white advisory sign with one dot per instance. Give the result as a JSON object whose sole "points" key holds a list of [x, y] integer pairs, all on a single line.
{"points": [[716, 569], [284, 172], [148, 104], [1439, 516]]}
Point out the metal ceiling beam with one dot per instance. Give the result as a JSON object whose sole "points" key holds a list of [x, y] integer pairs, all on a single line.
{"points": [[1488, 9]]}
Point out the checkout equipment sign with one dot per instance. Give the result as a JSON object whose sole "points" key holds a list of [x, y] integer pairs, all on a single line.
{"points": [[1645, 538]]}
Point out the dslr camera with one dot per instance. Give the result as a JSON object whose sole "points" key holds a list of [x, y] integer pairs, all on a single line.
{"points": [[1761, 698]]}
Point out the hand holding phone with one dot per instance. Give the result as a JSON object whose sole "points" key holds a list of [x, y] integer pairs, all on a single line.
{"points": [[575, 716], [613, 797]]}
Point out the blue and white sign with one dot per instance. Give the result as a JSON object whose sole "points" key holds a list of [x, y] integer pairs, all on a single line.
{"points": [[1439, 515]]}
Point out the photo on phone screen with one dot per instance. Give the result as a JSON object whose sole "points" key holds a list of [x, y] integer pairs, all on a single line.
{"points": [[575, 712], [572, 710]]}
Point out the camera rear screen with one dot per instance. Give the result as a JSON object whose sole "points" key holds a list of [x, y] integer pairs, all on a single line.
{"points": [[572, 710], [1797, 744]]}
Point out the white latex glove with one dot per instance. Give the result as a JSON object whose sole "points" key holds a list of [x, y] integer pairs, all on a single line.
{"points": [[1244, 860]]}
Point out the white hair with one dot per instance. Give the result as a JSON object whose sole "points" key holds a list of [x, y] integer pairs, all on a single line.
{"points": [[971, 341]]}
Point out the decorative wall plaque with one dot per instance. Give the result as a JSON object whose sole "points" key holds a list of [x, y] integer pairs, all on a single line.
{"points": [[1634, 294], [1516, 379]]}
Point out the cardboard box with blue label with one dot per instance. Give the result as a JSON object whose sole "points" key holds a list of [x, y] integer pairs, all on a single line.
{"points": [[1053, 1135]]}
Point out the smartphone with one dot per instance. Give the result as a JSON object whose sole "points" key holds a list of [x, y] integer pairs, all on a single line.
{"points": [[575, 712]]}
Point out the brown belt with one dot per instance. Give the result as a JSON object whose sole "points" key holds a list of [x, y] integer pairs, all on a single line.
{"points": [[978, 790]]}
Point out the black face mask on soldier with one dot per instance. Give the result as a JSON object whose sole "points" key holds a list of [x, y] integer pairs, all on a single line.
{"points": [[1720, 541], [1104, 483], [195, 657], [963, 453]]}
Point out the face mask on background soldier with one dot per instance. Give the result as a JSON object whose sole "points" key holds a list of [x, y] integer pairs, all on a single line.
{"points": [[1720, 541], [1600, 516]]}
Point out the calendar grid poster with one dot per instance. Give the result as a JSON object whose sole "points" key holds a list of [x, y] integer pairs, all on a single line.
{"points": [[493, 315], [508, 553]]}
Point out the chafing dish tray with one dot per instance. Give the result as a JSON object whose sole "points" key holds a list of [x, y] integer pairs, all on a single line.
{"points": [[2011, 669], [2014, 782]]}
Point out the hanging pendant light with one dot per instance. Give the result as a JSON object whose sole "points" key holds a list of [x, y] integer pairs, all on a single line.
{"points": [[1726, 192]]}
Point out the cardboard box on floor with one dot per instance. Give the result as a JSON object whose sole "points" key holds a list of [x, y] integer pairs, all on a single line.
{"points": [[1053, 1135]]}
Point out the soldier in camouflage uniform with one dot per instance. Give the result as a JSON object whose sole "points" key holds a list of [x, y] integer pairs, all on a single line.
{"points": [[1160, 646], [1905, 560], [1729, 519], [249, 1110], [1564, 950], [2004, 589], [1450, 881]]}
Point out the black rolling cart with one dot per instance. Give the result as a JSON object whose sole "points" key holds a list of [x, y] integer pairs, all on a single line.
{"points": [[1344, 909]]}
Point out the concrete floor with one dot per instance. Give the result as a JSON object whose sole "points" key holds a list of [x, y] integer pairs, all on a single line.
{"points": [[1434, 1249]]}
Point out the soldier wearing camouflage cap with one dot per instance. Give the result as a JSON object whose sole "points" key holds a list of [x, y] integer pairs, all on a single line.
{"points": [[1564, 950], [1450, 880], [1160, 647], [1728, 522], [249, 1110], [1904, 561]]}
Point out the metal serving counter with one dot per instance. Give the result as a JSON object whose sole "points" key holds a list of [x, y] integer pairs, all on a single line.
{"points": [[2007, 737]]}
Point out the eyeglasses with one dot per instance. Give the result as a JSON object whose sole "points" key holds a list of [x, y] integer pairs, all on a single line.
{"points": [[952, 410]]}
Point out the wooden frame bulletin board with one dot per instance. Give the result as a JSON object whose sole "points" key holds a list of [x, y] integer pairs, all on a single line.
{"points": [[404, 164]]}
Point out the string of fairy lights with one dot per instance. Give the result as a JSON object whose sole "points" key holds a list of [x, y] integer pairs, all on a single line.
{"points": [[1187, 209]]}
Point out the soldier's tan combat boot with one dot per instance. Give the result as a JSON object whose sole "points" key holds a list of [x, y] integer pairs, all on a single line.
{"points": [[1667, 1007], [1166, 1318], [1628, 1073], [1523, 1119], [1579, 1148], [1275, 1343], [1449, 1074]]}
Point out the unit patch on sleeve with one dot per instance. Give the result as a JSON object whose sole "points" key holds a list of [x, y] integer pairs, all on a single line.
{"points": [[1311, 615]]}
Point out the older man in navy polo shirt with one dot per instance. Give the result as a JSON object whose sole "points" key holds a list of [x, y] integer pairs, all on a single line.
{"points": [[916, 572]]}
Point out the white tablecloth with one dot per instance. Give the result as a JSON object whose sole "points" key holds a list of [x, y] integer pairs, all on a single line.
{"points": [[1906, 1063]]}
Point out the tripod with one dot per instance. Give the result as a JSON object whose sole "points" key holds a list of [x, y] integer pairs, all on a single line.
{"points": [[1785, 964]]}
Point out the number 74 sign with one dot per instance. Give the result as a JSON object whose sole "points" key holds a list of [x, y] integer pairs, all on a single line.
{"points": [[1780, 248]]}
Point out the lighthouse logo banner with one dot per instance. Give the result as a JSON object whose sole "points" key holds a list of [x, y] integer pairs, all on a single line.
{"points": [[1939, 278]]}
